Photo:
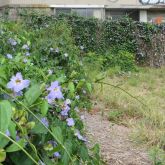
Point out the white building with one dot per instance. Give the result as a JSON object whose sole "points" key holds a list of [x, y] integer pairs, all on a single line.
{"points": [[143, 10]]}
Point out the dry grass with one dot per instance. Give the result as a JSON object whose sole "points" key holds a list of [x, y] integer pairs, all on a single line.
{"points": [[148, 86]]}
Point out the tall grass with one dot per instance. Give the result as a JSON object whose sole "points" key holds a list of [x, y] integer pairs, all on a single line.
{"points": [[147, 85]]}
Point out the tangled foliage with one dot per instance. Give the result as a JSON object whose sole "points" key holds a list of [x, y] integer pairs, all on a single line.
{"points": [[42, 89], [144, 40]]}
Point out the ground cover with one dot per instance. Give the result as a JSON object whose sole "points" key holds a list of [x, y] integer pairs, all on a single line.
{"points": [[144, 113]]}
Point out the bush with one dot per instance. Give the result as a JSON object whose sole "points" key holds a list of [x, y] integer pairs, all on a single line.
{"points": [[42, 88], [122, 59]]}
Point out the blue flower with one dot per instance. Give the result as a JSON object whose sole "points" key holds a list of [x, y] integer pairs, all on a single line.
{"points": [[44, 120], [25, 47], [79, 136], [17, 138], [53, 143], [12, 41], [27, 54], [66, 107], [9, 56], [17, 83], [70, 122], [55, 92], [56, 155], [7, 133]]}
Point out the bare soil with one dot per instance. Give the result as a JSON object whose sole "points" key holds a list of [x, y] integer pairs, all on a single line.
{"points": [[116, 146]]}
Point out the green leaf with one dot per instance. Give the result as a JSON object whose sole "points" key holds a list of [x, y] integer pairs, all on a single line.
{"points": [[68, 145], [58, 134], [29, 43], [12, 129], [19, 158], [32, 94], [84, 153], [5, 115], [3, 74], [3, 141], [44, 107], [80, 85], [89, 87], [71, 87], [14, 147], [2, 82], [39, 128], [2, 155]]}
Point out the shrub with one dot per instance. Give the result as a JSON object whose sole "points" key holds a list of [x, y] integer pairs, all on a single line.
{"points": [[42, 88], [122, 59]]}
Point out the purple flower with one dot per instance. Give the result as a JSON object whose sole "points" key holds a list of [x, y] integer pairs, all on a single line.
{"points": [[55, 92], [79, 136], [56, 155], [25, 47], [64, 113], [65, 108], [17, 138], [17, 83], [9, 56], [18, 93], [44, 120], [70, 122], [12, 41], [7, 133], [27, 54], [53, 143], [50, 99]]}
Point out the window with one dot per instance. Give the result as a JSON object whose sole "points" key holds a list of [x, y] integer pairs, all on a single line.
{"points": [[63, 10], [84, 12]]}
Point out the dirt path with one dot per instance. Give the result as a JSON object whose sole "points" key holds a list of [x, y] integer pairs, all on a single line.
{"points": [[116, 148]]}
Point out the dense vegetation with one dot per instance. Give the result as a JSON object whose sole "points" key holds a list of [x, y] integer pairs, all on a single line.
{"points": [[43, 88], [47, 66]]}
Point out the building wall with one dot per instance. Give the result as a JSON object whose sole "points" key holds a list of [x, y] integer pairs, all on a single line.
{"points": [[4, 2], [75, 2]]}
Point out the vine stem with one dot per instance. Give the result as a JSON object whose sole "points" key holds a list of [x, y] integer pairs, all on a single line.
{"points": [[41, 123], [14, 142]]}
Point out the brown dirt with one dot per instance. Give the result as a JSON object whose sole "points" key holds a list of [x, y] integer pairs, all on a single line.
{"points": [[115, 144]]}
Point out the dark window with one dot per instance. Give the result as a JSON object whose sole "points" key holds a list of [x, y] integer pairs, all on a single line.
{"points": [[63, 10], [84, 12]]}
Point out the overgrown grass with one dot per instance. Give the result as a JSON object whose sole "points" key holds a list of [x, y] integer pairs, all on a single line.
{"points": [[148, 122]]}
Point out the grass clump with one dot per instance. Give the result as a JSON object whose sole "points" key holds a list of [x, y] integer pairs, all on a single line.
{"points": [[148, 122]]}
